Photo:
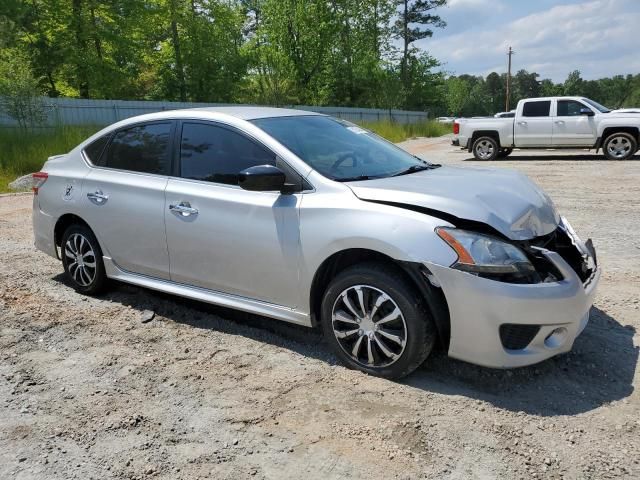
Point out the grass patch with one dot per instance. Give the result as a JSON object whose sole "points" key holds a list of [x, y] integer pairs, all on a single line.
{"points": [[23, 152], [397, 132]]}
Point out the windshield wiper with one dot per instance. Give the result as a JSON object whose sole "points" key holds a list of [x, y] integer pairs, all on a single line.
{"points": [[354, 179], [417, 168]]}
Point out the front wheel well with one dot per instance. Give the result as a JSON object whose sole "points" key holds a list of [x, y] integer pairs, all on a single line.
{"points": [[414, 273], [484, 133], [634, 131], [64, 222]]}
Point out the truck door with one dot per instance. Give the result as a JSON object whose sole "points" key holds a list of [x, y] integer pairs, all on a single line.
{"points": [[572, 127], [533, 124]]}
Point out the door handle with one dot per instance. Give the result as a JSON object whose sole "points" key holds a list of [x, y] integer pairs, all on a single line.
{"points": [[559, 122], [522, 123], [98, 197], [184, 209]]}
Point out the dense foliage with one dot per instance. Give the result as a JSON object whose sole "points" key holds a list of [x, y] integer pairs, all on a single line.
{"points": [[467, 95], [322, 52], [340, 52]]}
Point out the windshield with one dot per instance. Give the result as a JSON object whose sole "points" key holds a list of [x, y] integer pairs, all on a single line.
{"points": [[340, 150], [597, 106]]}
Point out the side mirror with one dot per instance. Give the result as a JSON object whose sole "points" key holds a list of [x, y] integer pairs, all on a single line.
{"points": [[586, 111], [262, 178]]}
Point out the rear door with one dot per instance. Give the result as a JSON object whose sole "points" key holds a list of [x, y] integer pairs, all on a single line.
{"points": [[222, 237], [572, 128], [533, 125], [124, 197]]}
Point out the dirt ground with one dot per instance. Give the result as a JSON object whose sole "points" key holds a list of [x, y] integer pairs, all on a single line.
{"points": [[87, 390]]}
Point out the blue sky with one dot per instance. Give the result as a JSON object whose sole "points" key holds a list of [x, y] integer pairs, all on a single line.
{"points": [[598, 37]]}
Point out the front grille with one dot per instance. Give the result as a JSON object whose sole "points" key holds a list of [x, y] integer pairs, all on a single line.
{"points": [[517, 337]]}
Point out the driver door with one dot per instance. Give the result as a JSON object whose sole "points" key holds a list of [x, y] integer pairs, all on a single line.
{"points": [[230, 240], [571, 127]]}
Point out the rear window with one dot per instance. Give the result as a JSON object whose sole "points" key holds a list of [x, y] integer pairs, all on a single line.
{"points": [[142, 148], [536, 109], [94, 150]]}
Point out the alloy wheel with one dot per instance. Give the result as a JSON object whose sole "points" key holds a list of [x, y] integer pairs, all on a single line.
{"points": [[369, 326], [484, 149], [619, 147], [81, 259]]}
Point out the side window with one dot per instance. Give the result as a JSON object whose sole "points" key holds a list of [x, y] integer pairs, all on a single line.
{"points": [[94, 150], [142, 148], [569, 108], [218, 154], [536, 109]]}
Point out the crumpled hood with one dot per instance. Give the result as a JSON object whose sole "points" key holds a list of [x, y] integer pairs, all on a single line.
{"points": [[504, 199]]}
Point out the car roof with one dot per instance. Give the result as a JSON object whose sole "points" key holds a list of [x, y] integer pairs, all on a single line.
{"points": [[253, 112]]}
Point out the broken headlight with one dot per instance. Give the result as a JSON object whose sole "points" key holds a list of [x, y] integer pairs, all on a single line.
{"points": [[479, 253]]}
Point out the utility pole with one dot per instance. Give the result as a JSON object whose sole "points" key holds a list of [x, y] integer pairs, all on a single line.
{"points": [[509, 53]]}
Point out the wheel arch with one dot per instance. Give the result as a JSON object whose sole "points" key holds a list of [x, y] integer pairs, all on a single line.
{"points": [[64, 222], [415, 273], [608, 131], [483, 133]]}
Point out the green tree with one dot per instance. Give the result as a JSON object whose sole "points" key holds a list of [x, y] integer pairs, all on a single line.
{"points": [[458, 91], [573, 84], [415, 21], [20, 90]]}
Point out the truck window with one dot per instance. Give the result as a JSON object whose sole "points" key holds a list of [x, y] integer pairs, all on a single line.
{"points": [[569, 108], [536, 109]]}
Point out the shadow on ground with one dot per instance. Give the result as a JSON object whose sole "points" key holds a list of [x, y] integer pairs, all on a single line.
{"points": [[600, 368]]}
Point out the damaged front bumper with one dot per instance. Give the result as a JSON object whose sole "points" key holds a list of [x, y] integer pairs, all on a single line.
{"points": [[505, 325]]}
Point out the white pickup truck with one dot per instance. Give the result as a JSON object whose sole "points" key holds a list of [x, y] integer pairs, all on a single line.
{"points": [[552, 122]]}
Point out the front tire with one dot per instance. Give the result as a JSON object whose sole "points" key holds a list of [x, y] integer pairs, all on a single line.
{"points": [[82, 260], [376, 322], [620, 146], [485, 148]]}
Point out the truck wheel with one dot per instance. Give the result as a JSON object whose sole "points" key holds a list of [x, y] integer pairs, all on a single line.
{"points": [[619, 146], [504, 152], [485, 148]]}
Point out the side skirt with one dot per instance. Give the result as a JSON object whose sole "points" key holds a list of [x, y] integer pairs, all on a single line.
{"points": [[257, 307]]}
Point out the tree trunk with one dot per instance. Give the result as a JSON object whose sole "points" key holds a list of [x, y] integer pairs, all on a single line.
{"points": [[78, 30], [405, 37], [96, 38], [175, 40]]}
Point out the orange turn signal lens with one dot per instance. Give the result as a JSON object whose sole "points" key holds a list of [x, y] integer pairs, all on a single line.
{"points": [[463, 255]]}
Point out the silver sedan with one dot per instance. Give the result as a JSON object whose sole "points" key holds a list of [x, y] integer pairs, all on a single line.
{"points": [[300, 217]]}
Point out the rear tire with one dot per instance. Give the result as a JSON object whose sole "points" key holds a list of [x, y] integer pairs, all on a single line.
{"points": [[376, 321], [620, 146], [82, 260], [504, 152], [485, 148]]}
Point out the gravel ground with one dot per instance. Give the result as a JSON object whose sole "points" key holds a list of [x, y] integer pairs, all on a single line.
{"points": [[137, 384]]}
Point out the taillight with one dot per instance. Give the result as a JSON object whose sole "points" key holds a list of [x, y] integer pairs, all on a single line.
{"points": [[456, 128], [38, 180]]}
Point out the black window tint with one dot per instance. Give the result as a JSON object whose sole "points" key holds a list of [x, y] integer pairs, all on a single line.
{"points": [[143, 148], [93, 151], [569, 108], [536, 109], [218, 154]]}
